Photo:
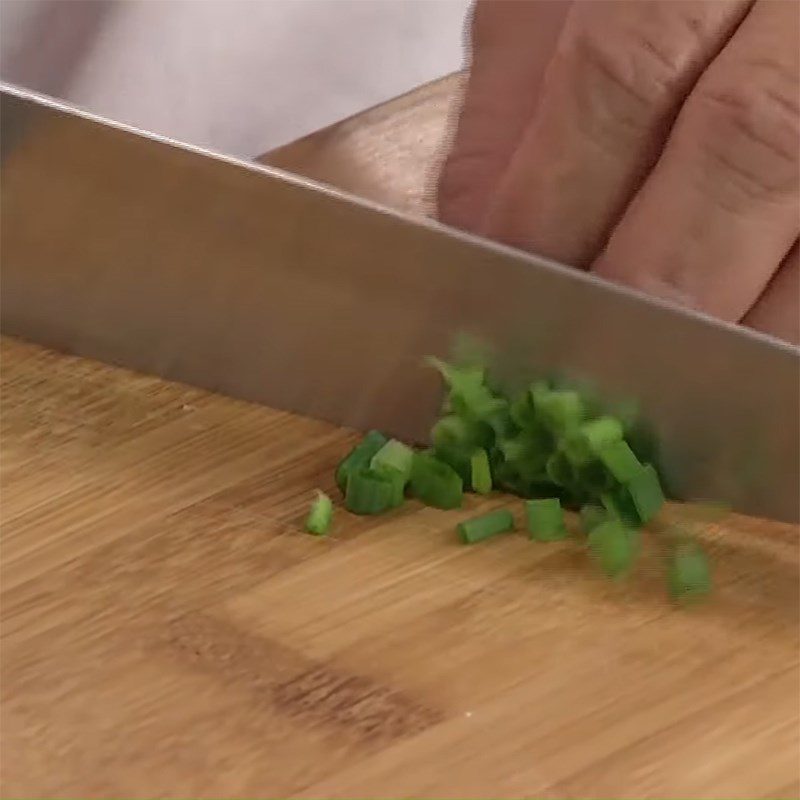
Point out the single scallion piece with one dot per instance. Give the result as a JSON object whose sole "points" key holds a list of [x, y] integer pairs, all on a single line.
{"points": [[370, 491], [620, 461], [480, 472], [436, 483], [458, 379], [359, 457], [638, 501], [645, 492], [458, 458], [499, 423], [688, 574], [486, 526], [475, 402], [582, 445], [560, 410], [545, 520], [320, 515], [574, 448], [398, 480], [614, 546], [619, 505], [453, 430], [559, 470], [599, 433], [396, 455]]}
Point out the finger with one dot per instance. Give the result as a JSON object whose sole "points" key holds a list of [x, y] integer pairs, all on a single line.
{"points": [[777, 311], [511, 43], [721, 208], [618, 78]]}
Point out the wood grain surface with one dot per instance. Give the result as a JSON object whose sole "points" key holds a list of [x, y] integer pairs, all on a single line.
{"points": [[169, 631]]}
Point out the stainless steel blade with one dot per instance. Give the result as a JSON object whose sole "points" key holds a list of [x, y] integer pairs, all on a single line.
{"points": [[172, 260]]}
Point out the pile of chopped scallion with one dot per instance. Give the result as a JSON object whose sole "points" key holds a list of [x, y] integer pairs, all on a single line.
{"points": [[552, 446]]}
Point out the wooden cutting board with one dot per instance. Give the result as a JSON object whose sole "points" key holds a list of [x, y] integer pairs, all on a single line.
{"points": [[169, 631]]}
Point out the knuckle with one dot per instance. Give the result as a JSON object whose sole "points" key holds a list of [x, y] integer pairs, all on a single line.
{"points": [[632, 74], [750, 129]]}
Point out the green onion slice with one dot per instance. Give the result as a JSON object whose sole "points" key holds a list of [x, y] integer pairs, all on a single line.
{"points": [[645, 492], [486, 526], [370, 491], [396, 455], [480, 472], [545, 519], [359, 457], [689, 573], [615, 547], [320, 515], [620, 461], [436, 483]]}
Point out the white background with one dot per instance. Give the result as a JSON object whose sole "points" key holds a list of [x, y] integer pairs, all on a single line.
{"points": [[239, 76]]}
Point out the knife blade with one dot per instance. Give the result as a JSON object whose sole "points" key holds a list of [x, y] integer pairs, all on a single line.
{"points": [[169, 259]]}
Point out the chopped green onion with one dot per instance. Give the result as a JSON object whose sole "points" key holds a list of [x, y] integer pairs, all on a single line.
{"points": [[523, 412], [458, 378], [452, 430], [554, 441], [599, 433], [689, 574], [436, 483], [499, 422], [396, 455], [573, 446], [481, 473], [469, 395], [637, 502], [591, 517], [643, 441], [539, 390], [614, 546], [619, 505], [583, 444], [513, 449], [526, 456], [620, 461], [486, 526], [359, 457], [507, 477], [320, 515], [594, 479], [455, 431], [645, 492], [398, 481], [545, 520], [458, 458], [559, 470], [475, 402], [559, 410], [370, 491]]}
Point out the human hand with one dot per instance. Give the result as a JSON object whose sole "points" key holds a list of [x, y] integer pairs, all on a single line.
{"points": [[654, 142]]}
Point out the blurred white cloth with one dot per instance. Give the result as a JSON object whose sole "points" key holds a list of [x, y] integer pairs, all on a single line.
{"points": [[239, 76]]}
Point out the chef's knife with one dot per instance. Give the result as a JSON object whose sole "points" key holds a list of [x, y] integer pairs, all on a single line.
{"points": [[165, 258]]}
